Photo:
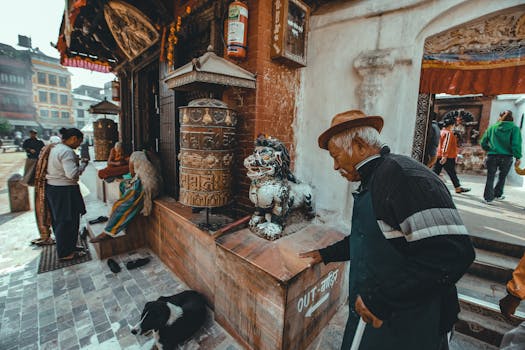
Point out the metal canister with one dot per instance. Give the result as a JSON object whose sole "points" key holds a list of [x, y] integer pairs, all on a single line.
{"points": [[206, 153], [105, 135]]}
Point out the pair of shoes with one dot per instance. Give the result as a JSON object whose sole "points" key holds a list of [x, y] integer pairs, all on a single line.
{"points": [[488, 202], [500, 198], [101, 237], [73, 256], [98, 220], [133, 264], [462, 189], [113, 266]]}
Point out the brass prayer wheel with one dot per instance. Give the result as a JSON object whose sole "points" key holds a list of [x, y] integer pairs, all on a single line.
{"points": [[206, 153], [105, 134]]}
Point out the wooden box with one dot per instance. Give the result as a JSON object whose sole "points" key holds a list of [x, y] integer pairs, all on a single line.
{"points": [[290, 31], [268, 297]]}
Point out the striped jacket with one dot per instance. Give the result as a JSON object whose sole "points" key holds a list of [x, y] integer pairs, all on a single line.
{"points": [[416, 214], [448, 144]]}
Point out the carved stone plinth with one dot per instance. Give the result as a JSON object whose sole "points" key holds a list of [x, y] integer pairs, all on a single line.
{"points": [[18, 194]]}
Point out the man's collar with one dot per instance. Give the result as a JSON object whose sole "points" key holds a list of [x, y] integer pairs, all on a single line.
{"points": [[364, 161]]}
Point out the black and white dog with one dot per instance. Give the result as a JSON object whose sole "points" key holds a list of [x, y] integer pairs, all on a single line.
{"points": [[172, 319]]}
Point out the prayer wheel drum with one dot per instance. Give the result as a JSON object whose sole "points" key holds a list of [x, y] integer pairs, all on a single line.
{"points": [[207, 145], [105, 135]]}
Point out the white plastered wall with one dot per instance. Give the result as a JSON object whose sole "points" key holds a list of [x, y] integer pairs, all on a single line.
{"points": [[331, 84]]}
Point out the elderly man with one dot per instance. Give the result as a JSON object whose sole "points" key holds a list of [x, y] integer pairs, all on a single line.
{"points": [[408, 246]]}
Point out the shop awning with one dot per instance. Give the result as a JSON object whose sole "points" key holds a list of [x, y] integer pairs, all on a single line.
{"points": [[98, 35], [22, 122]]}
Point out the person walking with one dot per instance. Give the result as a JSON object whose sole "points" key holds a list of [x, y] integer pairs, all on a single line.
{"points": [[63, 193], [32, 146], [433, 140], [408, 245], [501, 141], [447, 153]]}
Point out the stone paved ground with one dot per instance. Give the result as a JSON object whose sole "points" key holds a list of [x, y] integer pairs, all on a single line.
{"points": [[83, 306]]}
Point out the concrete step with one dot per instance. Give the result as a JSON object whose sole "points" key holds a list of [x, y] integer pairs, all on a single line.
{"points": [[493, 266], [508, 249], [483, 320]]}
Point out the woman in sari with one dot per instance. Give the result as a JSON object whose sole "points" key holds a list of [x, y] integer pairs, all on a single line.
{"points": [[136, 195]]}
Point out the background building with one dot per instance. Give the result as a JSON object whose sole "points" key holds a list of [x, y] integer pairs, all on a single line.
{"points": [[81, 104], [52, 93], [16, 101]]}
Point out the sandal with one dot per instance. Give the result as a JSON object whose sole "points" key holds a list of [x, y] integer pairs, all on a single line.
{"points": [[40, 241], [98, 220], [75, 255]]}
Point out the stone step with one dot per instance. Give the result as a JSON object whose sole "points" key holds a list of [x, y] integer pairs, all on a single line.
{"points": [[508, 249], [483, 320], [493, 266]]}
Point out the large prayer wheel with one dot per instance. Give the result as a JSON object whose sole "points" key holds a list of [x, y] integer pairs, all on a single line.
{"points": [[105, 134], [206, 153]]}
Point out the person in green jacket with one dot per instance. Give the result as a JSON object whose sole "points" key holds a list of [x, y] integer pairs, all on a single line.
{"points": [[502, 142]]}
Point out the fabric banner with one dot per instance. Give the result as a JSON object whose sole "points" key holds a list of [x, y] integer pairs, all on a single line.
{"points": [[490, 73]]}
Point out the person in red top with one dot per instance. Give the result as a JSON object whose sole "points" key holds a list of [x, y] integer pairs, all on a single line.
{"points": [[447, 152]]}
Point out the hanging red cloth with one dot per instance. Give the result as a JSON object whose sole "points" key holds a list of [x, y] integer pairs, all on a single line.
{"points": [[488, 73]]}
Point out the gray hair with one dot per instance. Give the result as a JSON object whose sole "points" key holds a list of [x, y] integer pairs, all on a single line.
{"points": [[367, 133]]}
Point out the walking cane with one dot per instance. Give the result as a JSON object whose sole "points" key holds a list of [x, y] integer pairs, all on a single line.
{"points": [[358, 335]]}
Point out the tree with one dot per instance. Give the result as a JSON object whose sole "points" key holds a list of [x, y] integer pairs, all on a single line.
{"points": [[5, 126]]}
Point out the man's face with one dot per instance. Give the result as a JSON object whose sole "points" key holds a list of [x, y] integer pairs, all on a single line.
{"points": [[76, 141], [32, 135], [345, 163]]}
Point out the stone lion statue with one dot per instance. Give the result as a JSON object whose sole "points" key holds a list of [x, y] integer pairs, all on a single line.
{"points": [[274, 189]]}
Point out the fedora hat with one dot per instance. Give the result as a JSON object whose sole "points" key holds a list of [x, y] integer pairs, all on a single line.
{"points": [[347, 120]]}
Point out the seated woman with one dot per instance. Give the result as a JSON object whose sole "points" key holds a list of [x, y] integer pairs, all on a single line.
{"points": [[137, 193], [117, 163]]}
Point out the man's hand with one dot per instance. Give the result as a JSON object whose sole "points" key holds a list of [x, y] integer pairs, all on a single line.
{"points": [[365, 314], [509, 304], [32, 150], [443, 160], [518, 162], [312, 254]]}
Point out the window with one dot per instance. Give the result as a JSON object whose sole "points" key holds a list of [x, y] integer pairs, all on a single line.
{"points": [[53, 98], [41, 78], [80, 113], [44, 113], [81, 125], [80, 104], [4, 77], [52, 79], [42, 96], [54, 114], [65, 115], [62, 81], [63, 99]]}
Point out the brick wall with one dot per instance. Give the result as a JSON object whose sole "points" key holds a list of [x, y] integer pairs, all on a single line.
{"points": [[270, 108]]}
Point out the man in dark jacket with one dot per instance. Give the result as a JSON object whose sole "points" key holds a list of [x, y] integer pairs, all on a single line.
{"points": [[408, 246], [32, 146], [502, 141]]}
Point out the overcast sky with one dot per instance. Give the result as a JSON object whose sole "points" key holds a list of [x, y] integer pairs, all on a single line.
{"points": [[40, 20]]}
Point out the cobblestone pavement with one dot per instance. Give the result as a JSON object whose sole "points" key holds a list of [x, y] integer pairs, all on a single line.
{"points": [[83, 306]]}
